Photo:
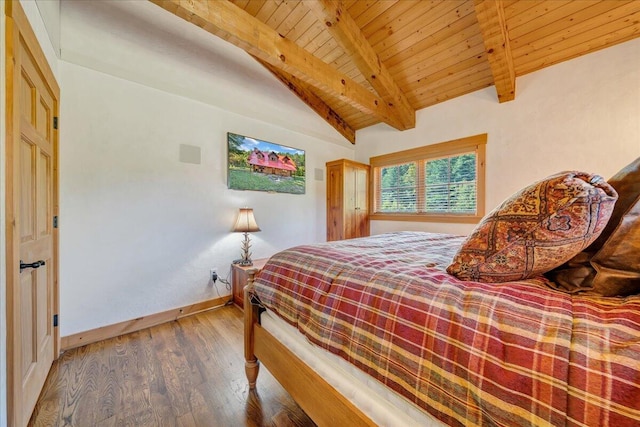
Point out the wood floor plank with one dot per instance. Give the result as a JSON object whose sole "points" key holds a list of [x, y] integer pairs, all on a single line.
{"points": [[185, 373], [186, 421]]}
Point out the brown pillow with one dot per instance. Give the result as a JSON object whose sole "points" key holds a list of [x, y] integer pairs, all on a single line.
{"points": [[539, 228], [627, 184], [611, 265], [617, 264]]}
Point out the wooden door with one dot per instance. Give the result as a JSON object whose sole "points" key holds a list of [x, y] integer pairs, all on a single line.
{"points": [[335, 209], [350, 201], [361, 217], [32, 104]]}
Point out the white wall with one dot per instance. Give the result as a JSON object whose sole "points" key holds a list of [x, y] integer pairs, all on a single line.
{"points": [[583, 114], [139, 229]]}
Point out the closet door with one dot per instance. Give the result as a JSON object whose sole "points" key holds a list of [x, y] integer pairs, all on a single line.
{"points": [[361, 202], [350, 202], [335, 194], [347, 200]]}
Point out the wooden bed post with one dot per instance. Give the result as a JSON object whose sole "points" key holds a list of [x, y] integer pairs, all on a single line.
{"points": [[316, 397], [251, 364]]}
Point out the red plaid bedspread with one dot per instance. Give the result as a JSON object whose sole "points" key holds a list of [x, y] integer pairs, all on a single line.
{"points": [[510, 354]]}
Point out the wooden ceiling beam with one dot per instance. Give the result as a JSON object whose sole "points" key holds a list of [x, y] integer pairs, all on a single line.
{"points": [[490, 14], [306, 95], [346, 32], [225, 20]]}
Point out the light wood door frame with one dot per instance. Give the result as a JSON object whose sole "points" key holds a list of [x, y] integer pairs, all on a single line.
{"points": [[18, 30]]}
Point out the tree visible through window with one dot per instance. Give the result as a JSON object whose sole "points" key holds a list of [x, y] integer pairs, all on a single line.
{"points": [[451, 184], [436, 182], [398, 188]]}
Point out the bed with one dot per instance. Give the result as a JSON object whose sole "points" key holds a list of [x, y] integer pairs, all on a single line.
{"points": [[466, 331], [466, 353]]}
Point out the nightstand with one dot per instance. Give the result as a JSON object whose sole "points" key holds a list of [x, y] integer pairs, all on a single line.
{"points": [[239, 278]]}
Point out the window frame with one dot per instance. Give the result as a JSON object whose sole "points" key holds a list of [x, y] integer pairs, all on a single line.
{"points": [[476, 143]]}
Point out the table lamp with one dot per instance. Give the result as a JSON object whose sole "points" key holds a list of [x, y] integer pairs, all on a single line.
{"points": [[245, 223]]}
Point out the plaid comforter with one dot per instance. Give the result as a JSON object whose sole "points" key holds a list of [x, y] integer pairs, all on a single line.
{"points": [[509, 354]]}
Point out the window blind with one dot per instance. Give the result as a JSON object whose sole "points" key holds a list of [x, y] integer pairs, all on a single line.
{"points": [[444, 185], [442, 180]]}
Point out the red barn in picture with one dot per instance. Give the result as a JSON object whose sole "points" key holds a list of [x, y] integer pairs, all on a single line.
{"points": [[271, 163]]}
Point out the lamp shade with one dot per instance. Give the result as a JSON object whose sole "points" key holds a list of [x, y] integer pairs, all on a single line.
{"points": [[246, 222]]}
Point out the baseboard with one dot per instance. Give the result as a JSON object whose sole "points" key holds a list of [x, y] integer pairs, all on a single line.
{"points": [[117, 329]]}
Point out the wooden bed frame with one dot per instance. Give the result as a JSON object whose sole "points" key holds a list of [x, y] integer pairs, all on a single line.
{"points": [[321, 402]]}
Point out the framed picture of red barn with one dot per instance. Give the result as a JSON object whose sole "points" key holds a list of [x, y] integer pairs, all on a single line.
{"points": [[254, 164]]}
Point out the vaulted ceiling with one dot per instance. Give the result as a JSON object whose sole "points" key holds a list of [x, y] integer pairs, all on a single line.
{"points": [[361, 62]]}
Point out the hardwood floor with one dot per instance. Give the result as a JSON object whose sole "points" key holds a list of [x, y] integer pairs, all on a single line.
{"points": [[184, 373]]}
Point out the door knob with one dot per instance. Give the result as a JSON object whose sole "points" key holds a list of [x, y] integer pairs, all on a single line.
{"points": [[36, 264]]}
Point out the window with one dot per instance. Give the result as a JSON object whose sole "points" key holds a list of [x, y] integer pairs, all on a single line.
{"points": [[440, 182]]}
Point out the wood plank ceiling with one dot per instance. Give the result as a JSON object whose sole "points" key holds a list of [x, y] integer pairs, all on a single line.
{"points": [[362, 62]]}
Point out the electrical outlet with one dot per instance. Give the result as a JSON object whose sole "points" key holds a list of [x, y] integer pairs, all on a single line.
{"points": [[213, 274]]}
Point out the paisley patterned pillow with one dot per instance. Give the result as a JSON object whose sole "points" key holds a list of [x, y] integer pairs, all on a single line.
{"points": [[539, 228]]}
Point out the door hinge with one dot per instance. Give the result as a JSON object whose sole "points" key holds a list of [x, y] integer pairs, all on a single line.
{"points": [[55, 320], [55, 221], [55, 123]]}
